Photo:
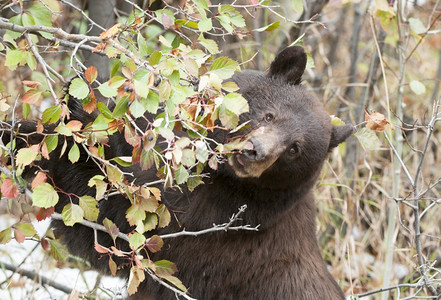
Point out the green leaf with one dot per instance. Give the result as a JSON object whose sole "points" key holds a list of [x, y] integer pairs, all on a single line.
{"points": [[89, 206], [13, 58], [417, 26], [201, 151], [235, 103], [181, 175], [121, 107], [79, 89], [163, 215], [51, 142], [72, 213], [58, 251], [25, 156], [297, 5], [108, 91], [111, 228], [74, 153], [176, 282], [136, 240], [205, 25], [224, 67], [142, 45], [368, 139], [269, 27], [417, 87], [155, 57], [208, 44], [152, 102], [165, 268], [5, 235], [100, 185], [44, 195], [51, 114], [27, 229]]}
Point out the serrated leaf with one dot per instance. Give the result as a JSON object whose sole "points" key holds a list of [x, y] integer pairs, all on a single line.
{"points": [[176, 282], [72, 213], [91, 74], [25, 156], [136, 240], [51, 114], [44, 195], [201, 151], [417, 87], [9, 189], [32, 96], [27, 229], [51, 142], [112, 266], [44, 213], [79, 89], [223, 67], [5, 235], [163, 215], [208, 44], [100, 185], [368, 139], [111, 228], [13, 58], [165, 268], [181, 175], [135, 278], [154, 243], [74, 153], [205, 25], [89, 206], [58, 251], [235, 103]]}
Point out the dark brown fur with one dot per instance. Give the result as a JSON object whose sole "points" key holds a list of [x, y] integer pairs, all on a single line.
{"points": [[282, 260]]}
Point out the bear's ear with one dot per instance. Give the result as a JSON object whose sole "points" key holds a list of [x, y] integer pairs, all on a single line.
{"points": [[289, 65], [340, 134]]}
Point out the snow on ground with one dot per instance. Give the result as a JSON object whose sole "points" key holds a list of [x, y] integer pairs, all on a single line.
{"points": [[21, 288]]}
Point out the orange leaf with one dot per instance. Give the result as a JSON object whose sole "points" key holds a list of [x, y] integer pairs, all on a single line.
{"points": [[39, 178], [31, 84], [376, 121], [91, 74], [32, 96], [100, 249], [91, 106], [110, 32]]}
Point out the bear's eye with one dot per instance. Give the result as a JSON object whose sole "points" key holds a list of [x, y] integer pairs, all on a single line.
{"points": [[269, 117], [293, 150]]}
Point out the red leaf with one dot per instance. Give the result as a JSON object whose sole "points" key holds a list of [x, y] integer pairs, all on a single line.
{"points": [[100, 249], [74, 125], [131, 137], [19, 236], [154, 244], [91, 74], [44, 243], [44, 213], [39, 178], [9, 189]]}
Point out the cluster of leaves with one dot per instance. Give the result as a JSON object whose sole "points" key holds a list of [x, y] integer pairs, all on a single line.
{"points": [[178, 89]]}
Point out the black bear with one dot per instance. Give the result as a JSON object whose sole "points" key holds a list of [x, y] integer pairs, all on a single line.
{"points": [[291, 135]]}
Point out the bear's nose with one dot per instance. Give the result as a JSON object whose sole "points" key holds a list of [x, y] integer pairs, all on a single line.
{"points": [[250, 154]]}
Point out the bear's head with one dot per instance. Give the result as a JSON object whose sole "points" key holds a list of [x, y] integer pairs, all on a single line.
{"points": [[290, 131]]}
